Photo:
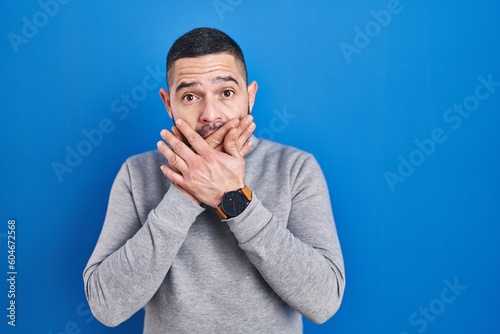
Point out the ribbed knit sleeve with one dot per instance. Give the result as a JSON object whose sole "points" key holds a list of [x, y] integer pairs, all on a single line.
{"points": [[131, 257]]}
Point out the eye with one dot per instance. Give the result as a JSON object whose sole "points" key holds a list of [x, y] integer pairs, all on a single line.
{"points": [[189, 98], [227, 93]]}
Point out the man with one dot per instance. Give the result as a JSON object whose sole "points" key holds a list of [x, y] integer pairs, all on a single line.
{"points": [[218, 231]]}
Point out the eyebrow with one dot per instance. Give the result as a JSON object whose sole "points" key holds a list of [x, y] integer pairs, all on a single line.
{"points": [[220, 79], [187, 85], [216, 80]]}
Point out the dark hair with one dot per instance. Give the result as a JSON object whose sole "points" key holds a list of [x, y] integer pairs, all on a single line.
{"points": [[201, 42]]}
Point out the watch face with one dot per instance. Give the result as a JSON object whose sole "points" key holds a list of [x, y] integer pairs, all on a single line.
{"points": [[233, 203]]}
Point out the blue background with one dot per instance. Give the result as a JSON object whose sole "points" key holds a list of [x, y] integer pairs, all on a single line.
{"points": [[360, 113]]}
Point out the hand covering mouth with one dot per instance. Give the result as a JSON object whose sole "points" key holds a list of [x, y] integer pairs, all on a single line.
{"points": [[208, 129]]}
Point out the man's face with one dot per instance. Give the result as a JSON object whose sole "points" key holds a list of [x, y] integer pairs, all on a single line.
{"points": [[208, 91]]}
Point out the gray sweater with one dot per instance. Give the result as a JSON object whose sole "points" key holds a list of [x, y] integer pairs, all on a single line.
{"points": [[255, 273]]}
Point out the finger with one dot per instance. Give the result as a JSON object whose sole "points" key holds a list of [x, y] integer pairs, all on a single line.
{"points": [[174, 160], [230, 143], [197, 142], [178, 146], [179, 136], [217, 137], [244, 131], [246, 148], [172, 175], [177, 133]]}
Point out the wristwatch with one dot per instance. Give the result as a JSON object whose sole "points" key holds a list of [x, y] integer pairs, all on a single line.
{"points": [[234, 202]]}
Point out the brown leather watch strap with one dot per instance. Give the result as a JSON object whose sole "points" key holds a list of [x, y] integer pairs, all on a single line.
{"points": [[247, 193], [220, 213]]}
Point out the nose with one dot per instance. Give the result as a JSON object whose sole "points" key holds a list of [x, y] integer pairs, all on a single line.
{"points": [[211, 111]]}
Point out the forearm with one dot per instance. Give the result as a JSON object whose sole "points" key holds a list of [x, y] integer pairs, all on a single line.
{"points": [[309, 279], [120, 282]]}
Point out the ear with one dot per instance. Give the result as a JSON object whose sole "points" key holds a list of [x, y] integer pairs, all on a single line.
{"points": [[252, 91], [165, 97]]}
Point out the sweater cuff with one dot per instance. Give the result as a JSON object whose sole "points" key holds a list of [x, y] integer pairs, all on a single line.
{"points": [[250, 222], [177, 210]]}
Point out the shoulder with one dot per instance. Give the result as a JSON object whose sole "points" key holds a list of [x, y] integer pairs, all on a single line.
{"points": [[143, 175], [146, 161], [271, 155], [144, 168], [277, 151]]}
